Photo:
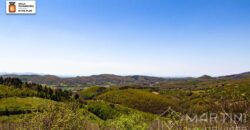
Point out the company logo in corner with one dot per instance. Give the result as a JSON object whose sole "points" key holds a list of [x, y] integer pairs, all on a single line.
{"points": [[20, 7], [12, 7]]}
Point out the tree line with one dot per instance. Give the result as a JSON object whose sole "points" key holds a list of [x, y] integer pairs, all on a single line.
{"points": [[42, 91]]}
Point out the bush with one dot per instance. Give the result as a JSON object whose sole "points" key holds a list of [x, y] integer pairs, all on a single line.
{"points": [[102, 110]]}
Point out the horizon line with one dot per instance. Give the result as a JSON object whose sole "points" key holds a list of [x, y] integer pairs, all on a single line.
{"points": [[72, 76]]}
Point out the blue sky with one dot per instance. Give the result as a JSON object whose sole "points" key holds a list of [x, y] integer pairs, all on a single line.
{"points": [[127, 37]]}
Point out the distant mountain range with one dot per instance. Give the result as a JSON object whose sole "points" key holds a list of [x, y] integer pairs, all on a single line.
{"points": [[236, 76], [106, 79], [83, 81]]}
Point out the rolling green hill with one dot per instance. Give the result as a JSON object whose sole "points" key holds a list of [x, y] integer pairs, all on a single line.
{"points": [[16, 105], [11, 92], [139, 99]]}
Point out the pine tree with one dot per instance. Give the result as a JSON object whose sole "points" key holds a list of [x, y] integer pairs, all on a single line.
{"points": [[1, 80]]}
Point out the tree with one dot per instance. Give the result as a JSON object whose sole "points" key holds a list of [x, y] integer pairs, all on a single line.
{"points": [[13, 82], [7, 112], [1, 80], [76, 96]]}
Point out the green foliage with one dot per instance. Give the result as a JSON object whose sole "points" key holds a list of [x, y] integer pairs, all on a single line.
{"points": [[58, 116], [15, 105], [102, 110], [139, 99], [91, 92], [6, 91], [69, 116], [120, 117], [10, 87], [135, 121], [230, 96], [17, 83]]}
